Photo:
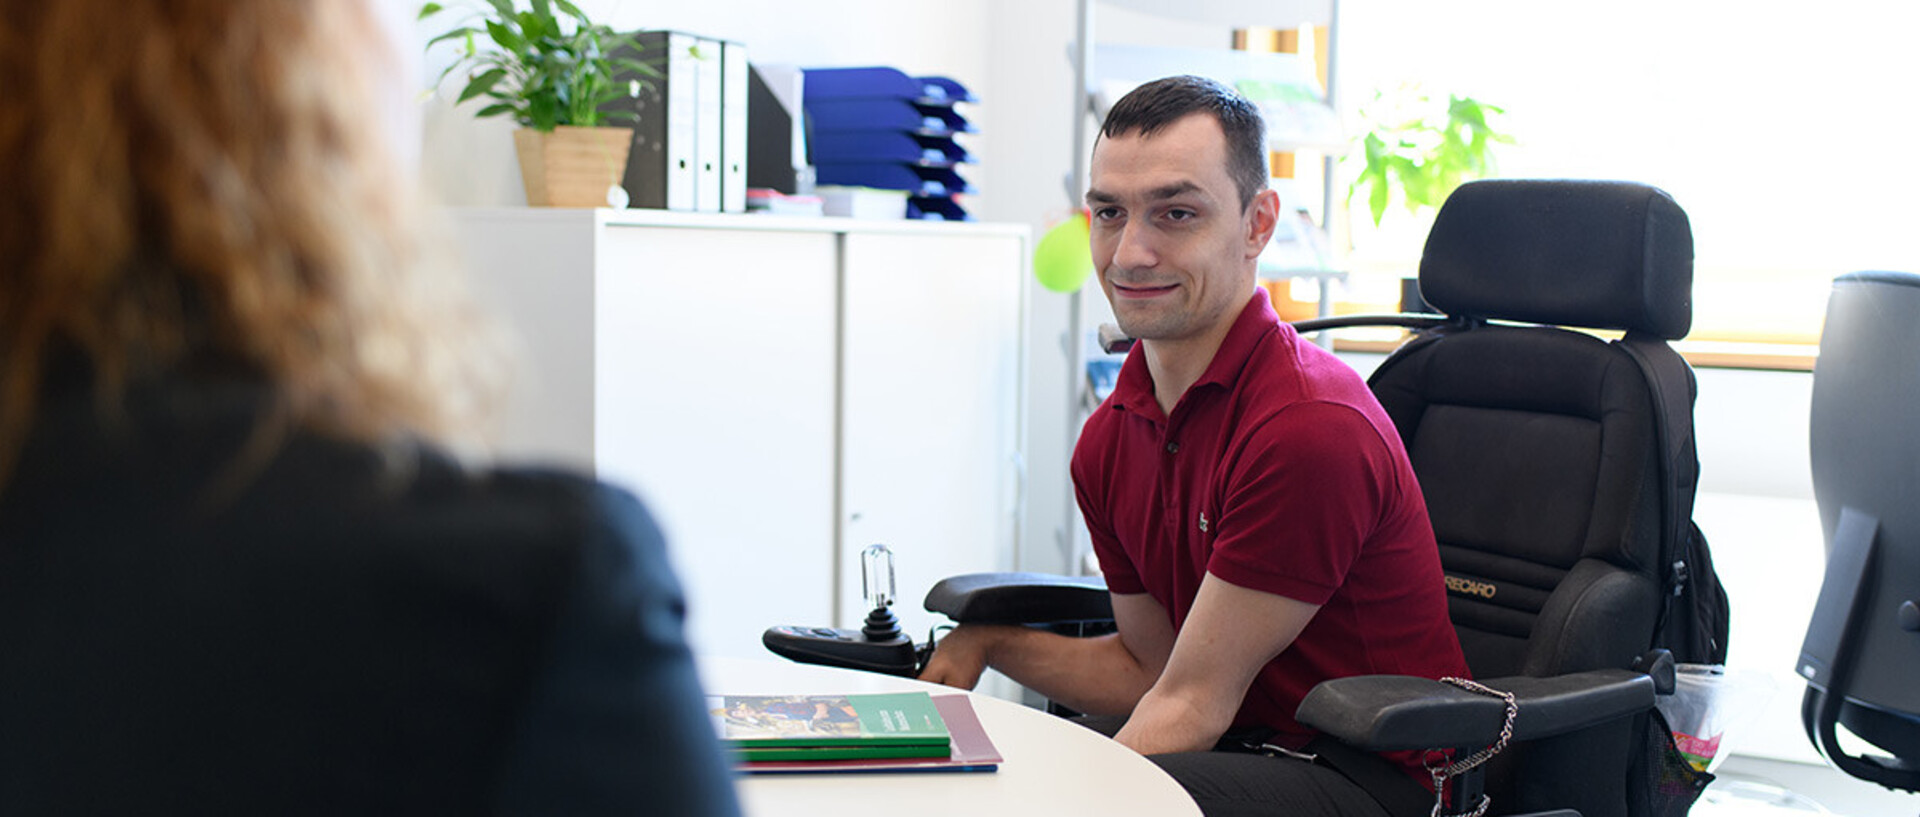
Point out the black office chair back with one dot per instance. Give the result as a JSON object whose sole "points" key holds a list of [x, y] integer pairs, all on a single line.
{"points": [[1538, 448], [1862, 651]]}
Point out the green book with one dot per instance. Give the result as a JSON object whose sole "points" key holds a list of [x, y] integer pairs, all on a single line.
{"points": [[905, 719], [807, 754]]}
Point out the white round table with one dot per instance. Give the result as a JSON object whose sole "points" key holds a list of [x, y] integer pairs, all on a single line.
{"points": [[1051, 766]]}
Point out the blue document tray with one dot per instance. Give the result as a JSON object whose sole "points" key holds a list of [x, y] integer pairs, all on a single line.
{"points": [[955, 91], [884, 114], [881, 83], [919, 181], [888, 146], [936, 208]]}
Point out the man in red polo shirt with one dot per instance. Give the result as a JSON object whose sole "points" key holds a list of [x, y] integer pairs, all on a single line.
{"points": [[1251, 505]]}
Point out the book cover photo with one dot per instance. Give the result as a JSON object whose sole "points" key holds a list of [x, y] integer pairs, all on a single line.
{"points": [[891, 721], [971, 751]]}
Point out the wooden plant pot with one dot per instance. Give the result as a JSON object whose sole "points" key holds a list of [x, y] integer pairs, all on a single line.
{"points": [[572, 167]]}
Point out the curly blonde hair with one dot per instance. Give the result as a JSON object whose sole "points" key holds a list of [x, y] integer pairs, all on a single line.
{"points": [[195, 180]]}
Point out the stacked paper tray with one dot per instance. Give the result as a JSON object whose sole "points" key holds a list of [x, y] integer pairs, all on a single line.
{"points": [[880, 128]]}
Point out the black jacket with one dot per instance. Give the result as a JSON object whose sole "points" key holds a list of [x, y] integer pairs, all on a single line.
{"points": [[327, 634]]}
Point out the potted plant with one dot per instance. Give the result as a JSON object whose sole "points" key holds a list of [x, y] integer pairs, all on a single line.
{"points": [[551, 69], [1420, 150], [1417, 148]]}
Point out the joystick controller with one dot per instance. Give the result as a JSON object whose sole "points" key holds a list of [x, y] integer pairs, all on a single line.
{"points": [[878, 646]]}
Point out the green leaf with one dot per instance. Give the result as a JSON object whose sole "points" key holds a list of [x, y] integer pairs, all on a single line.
{"points": [[428, 10], [507, 38], [481, 84], [1376, 150], [545, 112], [463, 31], [635, 67], [1422, 149], [537, 27], [495, 109]]}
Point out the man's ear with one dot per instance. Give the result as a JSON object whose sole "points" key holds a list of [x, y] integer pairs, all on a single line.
{"points": [[1263, 215]]}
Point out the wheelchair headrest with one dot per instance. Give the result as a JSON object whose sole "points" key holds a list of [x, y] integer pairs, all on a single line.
{"points": [[1601, 255]]}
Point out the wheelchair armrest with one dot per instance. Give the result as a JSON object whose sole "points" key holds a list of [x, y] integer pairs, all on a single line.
{"points": [[1020, 598], [1395, 712]]}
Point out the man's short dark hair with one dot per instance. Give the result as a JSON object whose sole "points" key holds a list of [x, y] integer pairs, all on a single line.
{"points": [[1160, 103]]}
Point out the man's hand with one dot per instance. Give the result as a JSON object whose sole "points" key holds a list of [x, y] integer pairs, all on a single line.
{"points": [[1101, 675], [960, 657]]}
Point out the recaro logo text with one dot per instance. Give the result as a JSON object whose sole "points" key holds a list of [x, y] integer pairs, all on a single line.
{"points": [[1470, 587]]}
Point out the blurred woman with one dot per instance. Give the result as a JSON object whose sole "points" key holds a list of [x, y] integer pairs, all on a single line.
{"points": [[239, 573]]}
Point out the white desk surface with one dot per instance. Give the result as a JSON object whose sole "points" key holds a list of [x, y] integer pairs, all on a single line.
{"points": [[1051, 767]]}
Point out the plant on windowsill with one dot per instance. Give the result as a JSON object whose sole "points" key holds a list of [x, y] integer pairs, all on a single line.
{"points": [[1416, 149], [551, 69]]}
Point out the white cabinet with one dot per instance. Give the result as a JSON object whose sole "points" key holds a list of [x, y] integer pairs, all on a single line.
{"points": [[931, 408], [781, 392]]}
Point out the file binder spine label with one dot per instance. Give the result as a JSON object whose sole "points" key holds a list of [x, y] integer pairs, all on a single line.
{"points": [[733, 120], [683, 107], [706, 126]]}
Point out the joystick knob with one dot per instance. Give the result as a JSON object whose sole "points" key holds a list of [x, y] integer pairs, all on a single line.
{"points": [[876, 575]]}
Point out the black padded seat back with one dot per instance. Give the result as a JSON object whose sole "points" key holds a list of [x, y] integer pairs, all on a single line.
{"points": [[1535, 450]]}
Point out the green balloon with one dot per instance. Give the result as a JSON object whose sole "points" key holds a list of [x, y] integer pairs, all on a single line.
{"points": [[1062, 260]]}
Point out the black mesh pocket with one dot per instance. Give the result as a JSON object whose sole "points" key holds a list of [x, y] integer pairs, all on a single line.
{"points": [[1672, 784]]}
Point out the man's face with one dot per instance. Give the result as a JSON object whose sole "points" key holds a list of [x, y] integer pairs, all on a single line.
{"points": [[1174, 249]]}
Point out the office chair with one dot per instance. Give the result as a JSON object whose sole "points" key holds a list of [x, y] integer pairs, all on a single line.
{"points": [[1560, 506], [1557, 502], [1862, 648]]}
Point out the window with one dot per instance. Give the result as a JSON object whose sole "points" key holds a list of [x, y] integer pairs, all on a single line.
{"points": [[1786, 136]]}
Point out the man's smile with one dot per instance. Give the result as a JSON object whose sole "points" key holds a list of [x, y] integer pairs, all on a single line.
{"points": [[1142, 290]]}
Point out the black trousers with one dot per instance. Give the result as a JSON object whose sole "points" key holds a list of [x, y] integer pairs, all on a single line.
{"points": [[1243, 784]]}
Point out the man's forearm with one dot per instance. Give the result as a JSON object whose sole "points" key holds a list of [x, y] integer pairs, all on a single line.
{"points": [[1098, 675], [1167, 722]]}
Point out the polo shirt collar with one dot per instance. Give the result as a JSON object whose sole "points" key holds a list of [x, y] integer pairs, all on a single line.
{"points": [[1133, 389]]}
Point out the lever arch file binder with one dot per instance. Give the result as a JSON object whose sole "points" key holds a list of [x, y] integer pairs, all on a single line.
{"points": [[707, 169], [733, 127], [661, 167], [777, 139]]}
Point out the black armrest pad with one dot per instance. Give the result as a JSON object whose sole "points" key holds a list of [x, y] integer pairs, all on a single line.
{"points": [[1394, 712], [1020, 598]]}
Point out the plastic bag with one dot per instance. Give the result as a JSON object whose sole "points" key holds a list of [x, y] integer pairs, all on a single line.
{"points": [[1706, 698]]}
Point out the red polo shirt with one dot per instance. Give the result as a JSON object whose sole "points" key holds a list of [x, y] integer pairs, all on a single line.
{"points": [[1278, 471]]}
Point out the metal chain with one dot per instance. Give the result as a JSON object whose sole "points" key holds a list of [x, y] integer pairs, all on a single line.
{"points": [[1442, 772]]}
